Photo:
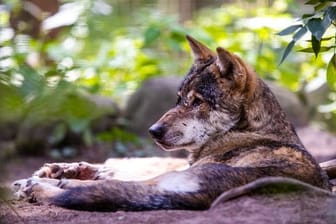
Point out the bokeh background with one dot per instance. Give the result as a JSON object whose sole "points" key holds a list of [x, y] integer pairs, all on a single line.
{"points": [[87, 77]]}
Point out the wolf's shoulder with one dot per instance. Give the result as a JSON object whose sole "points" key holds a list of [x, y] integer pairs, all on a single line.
{"points": [[271, 154]]}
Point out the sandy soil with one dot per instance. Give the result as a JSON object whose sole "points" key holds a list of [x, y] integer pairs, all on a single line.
{"points": [[297, 207]]}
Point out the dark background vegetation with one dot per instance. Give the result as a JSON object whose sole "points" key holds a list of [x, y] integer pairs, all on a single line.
{"points": [[68, 67]]}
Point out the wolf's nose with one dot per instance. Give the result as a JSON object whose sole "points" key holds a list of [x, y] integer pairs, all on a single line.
{"points": [[157, 131]]}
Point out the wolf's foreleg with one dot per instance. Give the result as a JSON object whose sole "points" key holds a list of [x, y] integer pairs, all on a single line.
{"points": [[194, 188]]}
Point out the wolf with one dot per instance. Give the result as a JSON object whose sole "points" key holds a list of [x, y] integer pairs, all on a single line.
{"points": [[229, 122]]}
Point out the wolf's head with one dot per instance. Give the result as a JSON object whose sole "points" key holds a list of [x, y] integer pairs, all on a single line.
{"points": [[210, 100]]}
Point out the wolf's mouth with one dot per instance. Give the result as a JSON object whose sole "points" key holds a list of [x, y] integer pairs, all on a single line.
{"points": [[170, 147]]}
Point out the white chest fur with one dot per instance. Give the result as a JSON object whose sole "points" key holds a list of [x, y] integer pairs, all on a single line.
{"points": [[178, 182]]}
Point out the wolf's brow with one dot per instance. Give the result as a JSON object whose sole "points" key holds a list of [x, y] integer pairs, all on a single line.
{"points": [[195, 70]]}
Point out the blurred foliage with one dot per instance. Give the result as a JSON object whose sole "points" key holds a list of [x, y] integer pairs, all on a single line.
{"points": [[321, 24], [102, 47], [318, 23]]}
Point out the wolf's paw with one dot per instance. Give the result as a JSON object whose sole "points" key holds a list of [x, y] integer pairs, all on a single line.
{"points": [[80, 170], [58, 170], [24, 187], [36, 189], [19, 187]]}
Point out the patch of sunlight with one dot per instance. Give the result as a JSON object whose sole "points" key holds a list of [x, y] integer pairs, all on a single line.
{"points": [[67, 15], [317, 82], [17, 79]]}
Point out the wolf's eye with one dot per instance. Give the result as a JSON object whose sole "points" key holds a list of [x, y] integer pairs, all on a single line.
{"points": [[197, 101]]}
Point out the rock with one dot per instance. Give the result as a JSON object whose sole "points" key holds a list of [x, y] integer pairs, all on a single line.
{"points": [[33, 139], [110, 113], [7, 150], [8, 130], [290, 103], [321, 144], [150, 102]]}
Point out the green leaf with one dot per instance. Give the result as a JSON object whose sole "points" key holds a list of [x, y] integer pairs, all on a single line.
{"points": [[316, 44], [331, 13], [173, 44], [151, 34], [326, 21], [33, 82], [300, 33], [324, 39], [305, 16], [317, 27], [289, 30], [321, 6], [180, 30], [331, 73], [287, 50], [310, 50], [53, 73], [312, 2]]}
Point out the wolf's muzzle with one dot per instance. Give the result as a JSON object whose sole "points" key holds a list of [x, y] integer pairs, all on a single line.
{"points": [[157, 131]]}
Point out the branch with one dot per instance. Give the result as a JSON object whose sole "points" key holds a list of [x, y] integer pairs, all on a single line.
{"points": [[330, 168]]}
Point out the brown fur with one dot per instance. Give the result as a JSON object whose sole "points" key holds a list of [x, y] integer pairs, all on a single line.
{"points": [[229, 121]]}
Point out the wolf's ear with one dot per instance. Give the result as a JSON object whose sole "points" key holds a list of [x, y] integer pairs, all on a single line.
{"points": [[200, 51], [228, 64]]}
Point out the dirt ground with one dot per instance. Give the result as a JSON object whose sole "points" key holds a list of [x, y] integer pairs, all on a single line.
{"points": [[307, 206], [298, 208]]}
